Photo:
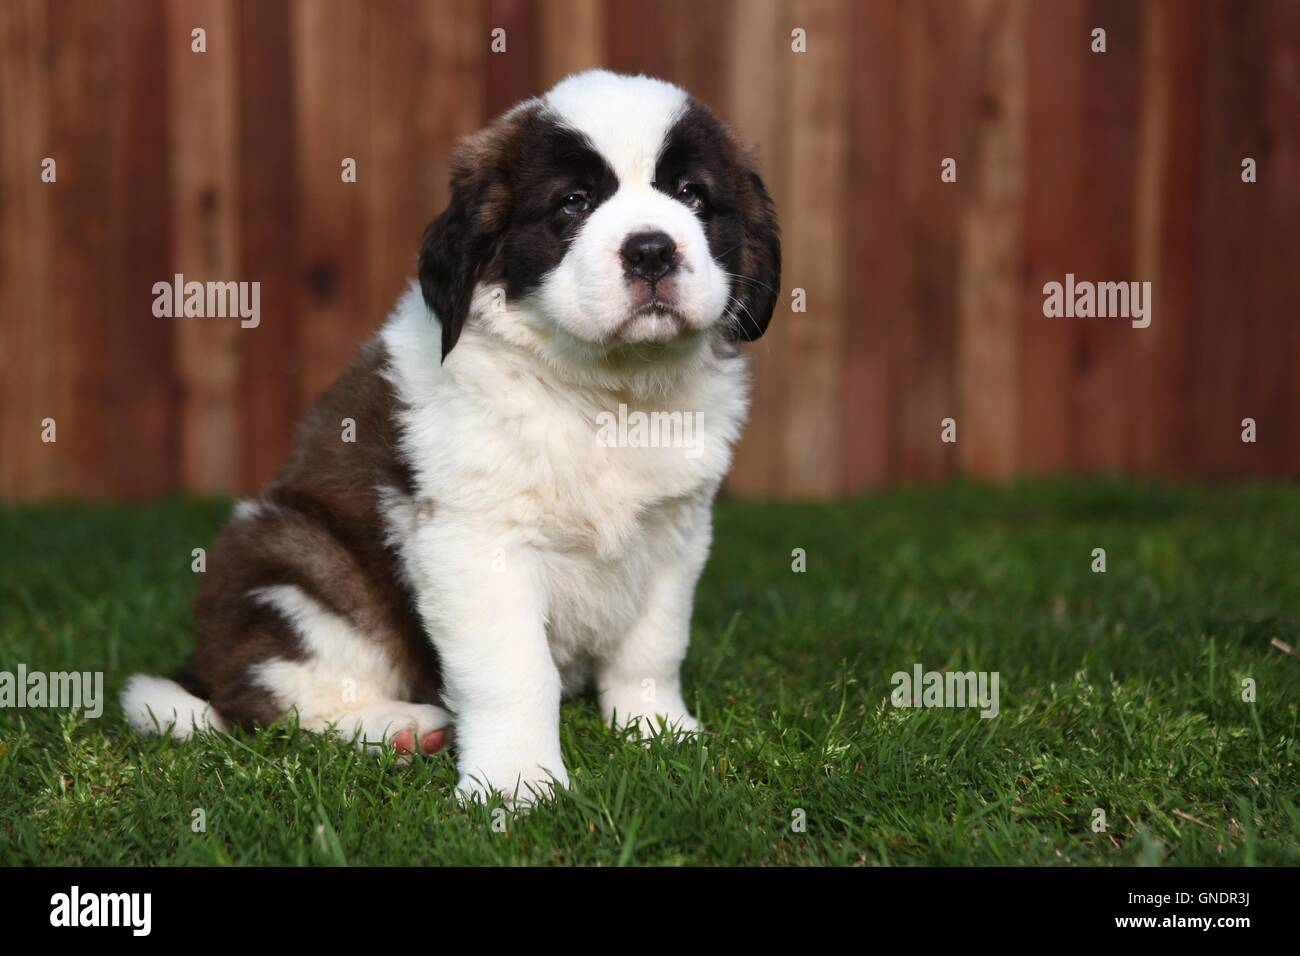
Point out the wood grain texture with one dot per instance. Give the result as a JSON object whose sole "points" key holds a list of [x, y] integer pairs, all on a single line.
{"points": [[29, 469], [755, 102], [269, 396], [399, 56], [513, 74], [453, 99], [572, 38], [814, 180], [925, 299], [637, 34], [700, 42], [1103, 243], [1056, 138], [869, 439], [1281, 253], [203, 125], [331, 86], [992, 240], [1165, 226], [1228, 317], [931, 75], [141, 457], [82, 82], [424, 66]]}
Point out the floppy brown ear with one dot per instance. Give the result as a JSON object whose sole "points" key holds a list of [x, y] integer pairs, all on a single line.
{"points": [[460, 243], [754, 298]]}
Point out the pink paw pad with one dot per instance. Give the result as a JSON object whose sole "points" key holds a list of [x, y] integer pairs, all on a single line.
{"points": [[434, 741]]}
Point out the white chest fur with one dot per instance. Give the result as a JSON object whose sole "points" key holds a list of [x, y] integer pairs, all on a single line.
{"points": [[600, 488]]}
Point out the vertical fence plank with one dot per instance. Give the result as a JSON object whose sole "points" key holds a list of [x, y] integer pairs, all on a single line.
{"points": [[1280, 257], [399, 56], [331, 75], [870, 398], [930, 129], [700, 45], [1058, 44], [573, 38], [1274, 106], [269, 388], [454, 97], [205, 206], [1102, 245], [637, 35], [426, 91], [141, 453], [1228, 318], [992, 243], [83, 90], [28, 468], [1166, 210], [757, 57], [513, 74], [815, 231]]}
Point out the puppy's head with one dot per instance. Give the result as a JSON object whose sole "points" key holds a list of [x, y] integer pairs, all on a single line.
{"points": [[614, 211]]}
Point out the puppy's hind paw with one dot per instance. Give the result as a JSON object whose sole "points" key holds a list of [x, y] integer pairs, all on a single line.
{"points": [[399, 726], [677, 726]]}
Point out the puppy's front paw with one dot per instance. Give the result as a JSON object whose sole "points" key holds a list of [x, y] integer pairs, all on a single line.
{"points": [[520, 786], [685, 724], [678, 725]]}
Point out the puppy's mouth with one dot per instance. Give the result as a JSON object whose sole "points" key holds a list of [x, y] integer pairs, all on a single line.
{"points": [[652, 321]]}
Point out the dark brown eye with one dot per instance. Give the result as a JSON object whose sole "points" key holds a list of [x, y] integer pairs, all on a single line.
{"points": [[575, 203], [692, 195]]}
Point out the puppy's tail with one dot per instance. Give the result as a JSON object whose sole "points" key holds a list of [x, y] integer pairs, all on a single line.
{"points": [[156, 705]]}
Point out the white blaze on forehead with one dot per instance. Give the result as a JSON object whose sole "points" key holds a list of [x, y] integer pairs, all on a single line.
{"points": [[626, 118]]}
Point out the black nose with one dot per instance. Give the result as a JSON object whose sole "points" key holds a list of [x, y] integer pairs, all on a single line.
{"points": [[650, 255]]}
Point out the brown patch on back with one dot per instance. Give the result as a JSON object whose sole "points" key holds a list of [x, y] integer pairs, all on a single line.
{"points": [[321, 530]]}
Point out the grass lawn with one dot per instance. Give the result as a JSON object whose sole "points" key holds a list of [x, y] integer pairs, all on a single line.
{"points": [[1120, 691]]}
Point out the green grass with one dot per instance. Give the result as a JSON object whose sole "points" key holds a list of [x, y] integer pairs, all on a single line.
{"points": [[1119, 691]]}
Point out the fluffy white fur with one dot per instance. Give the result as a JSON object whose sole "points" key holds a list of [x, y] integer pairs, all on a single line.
{"points": [[550, 560], [157, 705], [547, 562]]}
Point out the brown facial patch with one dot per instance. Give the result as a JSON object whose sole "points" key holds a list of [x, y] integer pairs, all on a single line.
{"points": [[510, 219], [702, 165], [320, 528]]}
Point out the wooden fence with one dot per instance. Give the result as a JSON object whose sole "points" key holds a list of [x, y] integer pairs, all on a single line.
{"points": [[924, 298]]}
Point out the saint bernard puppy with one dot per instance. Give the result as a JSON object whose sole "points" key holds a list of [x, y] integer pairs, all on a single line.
{"points": [[451, 542]]}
